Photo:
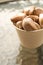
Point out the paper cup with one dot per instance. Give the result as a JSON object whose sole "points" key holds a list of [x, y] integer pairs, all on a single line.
{"points": [[30, 39]]}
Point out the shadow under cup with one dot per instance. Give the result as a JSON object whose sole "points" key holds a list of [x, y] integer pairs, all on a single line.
{"points": [[30, 39]]}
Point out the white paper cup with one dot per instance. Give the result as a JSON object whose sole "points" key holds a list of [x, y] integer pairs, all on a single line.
{"points": [[30, 39]]}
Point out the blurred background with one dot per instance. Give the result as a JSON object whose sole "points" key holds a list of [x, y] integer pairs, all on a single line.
{"points": [[33, 1], [11, 52]]}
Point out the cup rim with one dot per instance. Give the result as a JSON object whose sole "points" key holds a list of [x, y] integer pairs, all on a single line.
{"points": [[28, 31]]}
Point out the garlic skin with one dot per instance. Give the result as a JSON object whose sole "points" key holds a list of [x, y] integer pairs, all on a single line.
{"points": [[29, 10], [38, 11], [41, 20], [29, 25], [19, 24], [18, 17], [34, 18]]}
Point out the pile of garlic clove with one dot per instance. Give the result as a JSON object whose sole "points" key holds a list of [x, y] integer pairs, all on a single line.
{"points": [[29, 19]]}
